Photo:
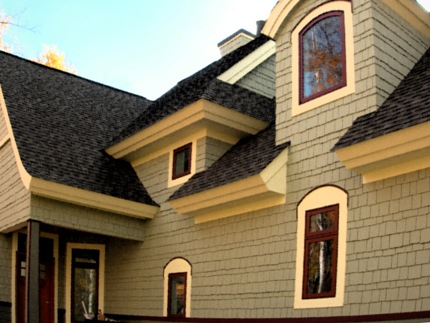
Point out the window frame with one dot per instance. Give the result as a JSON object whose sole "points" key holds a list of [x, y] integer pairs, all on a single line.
{"points": [[312, 23], [169, 297], [297, 107], [84, 265], [176, 151], [175, 266], [324, 235]]}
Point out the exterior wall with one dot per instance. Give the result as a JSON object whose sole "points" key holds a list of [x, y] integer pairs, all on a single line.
{"points": [[5, 277], [261, 79], [15, 199], [244, 266], [385, 50], [84, 219]]}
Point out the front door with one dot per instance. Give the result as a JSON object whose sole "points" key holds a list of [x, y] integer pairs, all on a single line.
{"points": [[46, 276]]}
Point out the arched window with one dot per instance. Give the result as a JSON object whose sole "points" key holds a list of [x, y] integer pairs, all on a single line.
{"points": [[322, 57], [177, 288], [321, 248]]}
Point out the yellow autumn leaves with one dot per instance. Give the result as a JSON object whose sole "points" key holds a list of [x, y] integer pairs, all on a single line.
{"points": [[50, 56]]}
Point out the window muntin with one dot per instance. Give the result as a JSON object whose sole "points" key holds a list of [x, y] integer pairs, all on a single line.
{"points": [[177, 294], [320, 258], [322, 56], [181, 161]]}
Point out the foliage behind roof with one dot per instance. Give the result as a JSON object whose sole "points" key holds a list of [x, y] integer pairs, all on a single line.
{"points": [[62, 122]]}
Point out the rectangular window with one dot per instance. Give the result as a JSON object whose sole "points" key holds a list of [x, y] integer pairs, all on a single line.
{"points": [[85, 281], [177, 294], [181, 161], [320, 259]]}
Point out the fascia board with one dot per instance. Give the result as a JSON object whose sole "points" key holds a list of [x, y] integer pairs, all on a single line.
{"points": [[196, 114], [250, 62], [71, 194], [390, 155], [90, 199], [278, 15], [263, 190], [412, 12]]}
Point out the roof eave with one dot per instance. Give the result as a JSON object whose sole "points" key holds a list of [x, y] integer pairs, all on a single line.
{"points": [[390, 155], [197, 116], [263, 190]]}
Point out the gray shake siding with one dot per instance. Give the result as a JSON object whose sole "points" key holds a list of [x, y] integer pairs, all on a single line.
{"points": [[261, 79], [244, 266], [15, 201]]}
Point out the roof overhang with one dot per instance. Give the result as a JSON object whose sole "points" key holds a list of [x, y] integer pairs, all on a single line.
{"points": [[410, 10], [393, 154], [224, 123], [250, 62], [71, 194], [260, 191]]}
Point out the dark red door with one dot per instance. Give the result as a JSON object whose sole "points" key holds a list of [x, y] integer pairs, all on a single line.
{"points": [[46, 283]]}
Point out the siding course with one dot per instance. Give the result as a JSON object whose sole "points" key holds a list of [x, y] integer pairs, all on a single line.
{"points": [[15, 201], [261, 79]]}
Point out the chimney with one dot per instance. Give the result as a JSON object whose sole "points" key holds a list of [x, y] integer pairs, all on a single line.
{"points": [[233, 42], [260, 25]]}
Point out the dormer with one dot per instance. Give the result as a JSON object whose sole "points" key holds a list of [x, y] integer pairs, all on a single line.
{"points": [[219, 103]]}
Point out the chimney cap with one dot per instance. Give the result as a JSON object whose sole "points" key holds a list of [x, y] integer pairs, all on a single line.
{"points": [[240, 31]]}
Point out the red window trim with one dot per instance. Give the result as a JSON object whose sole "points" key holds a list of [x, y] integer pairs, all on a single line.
{"points": [[169, 295], [331, 234], [302, 99], [175, 152]]}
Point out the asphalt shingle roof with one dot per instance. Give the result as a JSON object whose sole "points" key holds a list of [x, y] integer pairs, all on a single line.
{"points": [[247, 158], [204, 85], [62, 123], [407, 106]]}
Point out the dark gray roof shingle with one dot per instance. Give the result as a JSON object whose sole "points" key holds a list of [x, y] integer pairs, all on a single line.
{"points": [[62, 123], [247, 158], [204, 84], [407, 106]]}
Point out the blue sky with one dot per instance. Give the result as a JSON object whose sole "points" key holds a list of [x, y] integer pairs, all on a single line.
{"points": [[141, 46]]}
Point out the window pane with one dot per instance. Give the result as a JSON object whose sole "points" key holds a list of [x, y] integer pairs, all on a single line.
{"points": [[85, 292], [85, 284], [182, 162], [320, 267], [322, 221], [322, 63], [177, 295]]}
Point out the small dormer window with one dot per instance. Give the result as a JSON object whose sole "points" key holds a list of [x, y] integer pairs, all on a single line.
{"points": [[181, 161], [322, 56]]}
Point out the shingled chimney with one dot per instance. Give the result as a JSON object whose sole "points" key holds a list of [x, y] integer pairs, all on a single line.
{"points": [[238, 39]]}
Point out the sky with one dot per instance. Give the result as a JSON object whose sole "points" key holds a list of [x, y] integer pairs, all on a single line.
{"points": [[140, 46]]}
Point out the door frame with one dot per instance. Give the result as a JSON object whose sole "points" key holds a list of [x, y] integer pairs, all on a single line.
{"points": [[14, 286], [101, 285]]}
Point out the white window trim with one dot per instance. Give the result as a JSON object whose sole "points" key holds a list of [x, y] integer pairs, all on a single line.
{"points": [[70, 247], [318, 198], [177, 265], [344, 6]]}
